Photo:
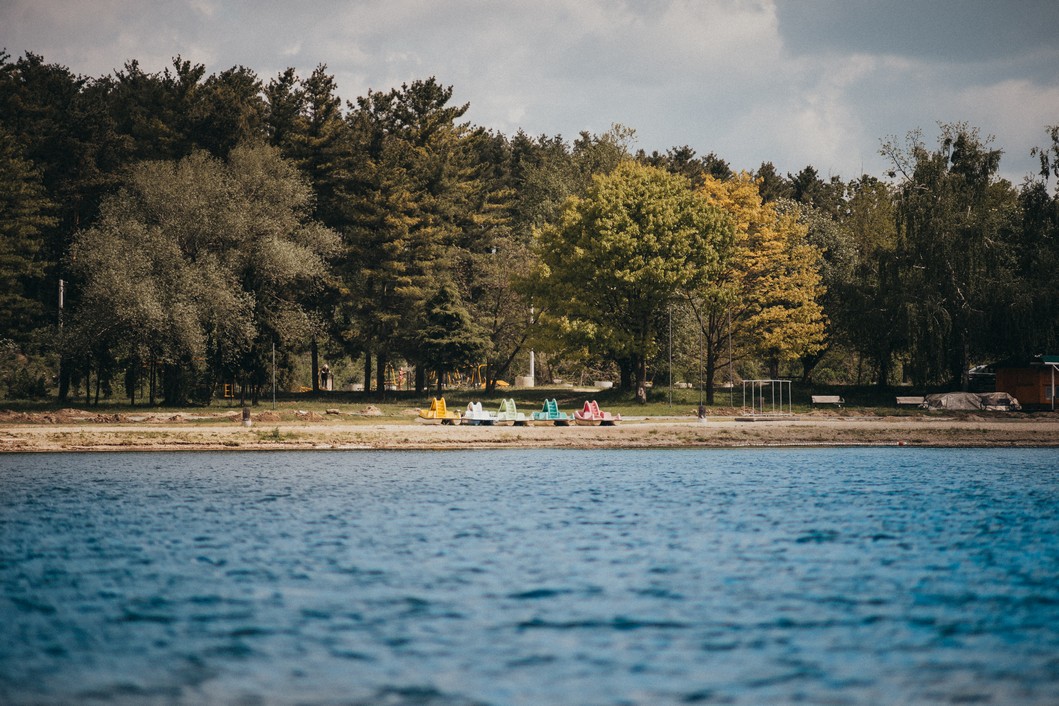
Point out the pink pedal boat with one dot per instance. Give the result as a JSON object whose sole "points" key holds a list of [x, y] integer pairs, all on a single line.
{"points": [[591, 416]]}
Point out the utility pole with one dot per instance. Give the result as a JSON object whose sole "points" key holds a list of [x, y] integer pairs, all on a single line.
{"points": [[62, 296]]}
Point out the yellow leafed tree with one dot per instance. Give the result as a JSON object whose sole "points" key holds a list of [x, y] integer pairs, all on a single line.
{"points": [[765, 299]]}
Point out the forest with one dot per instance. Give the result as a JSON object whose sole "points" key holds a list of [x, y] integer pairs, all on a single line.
{"points": [[172, 237]]}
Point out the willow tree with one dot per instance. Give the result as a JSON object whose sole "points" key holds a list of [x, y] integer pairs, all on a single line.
{"points": [[620, 255], [200, 265], [1026, 315], [954, 217], [764, 300], [867, 312]]}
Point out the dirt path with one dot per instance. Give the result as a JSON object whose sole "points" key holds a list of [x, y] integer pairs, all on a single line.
{"points": [[101, 435]]}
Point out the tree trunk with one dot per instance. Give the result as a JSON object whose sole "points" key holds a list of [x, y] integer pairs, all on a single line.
{"points": [[711, 368], [421, 379], [64, 379], [963, 362], [380, 374], [626, 371], [131, 377], [641, 379], [367, 372], [314, 351], [884, 371], [809, 363], [441, 377]]}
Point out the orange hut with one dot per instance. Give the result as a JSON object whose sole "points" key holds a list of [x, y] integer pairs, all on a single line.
{"points": [[1032, 382]]}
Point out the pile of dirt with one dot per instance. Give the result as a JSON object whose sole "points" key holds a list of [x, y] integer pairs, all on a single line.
{"points": [[107, 418], [60, 416], [371, 411], [8, 416]]}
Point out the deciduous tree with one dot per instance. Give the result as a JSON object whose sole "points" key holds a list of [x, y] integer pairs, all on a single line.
{"points": [[200, 265], [764, 300], [638, 239], [954, 215]]}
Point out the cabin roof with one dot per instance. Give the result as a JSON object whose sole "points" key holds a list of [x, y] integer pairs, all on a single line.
{"points": [[1028, 362]]}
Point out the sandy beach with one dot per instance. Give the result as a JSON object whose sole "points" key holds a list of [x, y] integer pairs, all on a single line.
{"points": [[70, 430]]}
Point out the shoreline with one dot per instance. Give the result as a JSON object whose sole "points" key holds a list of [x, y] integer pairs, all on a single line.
{"points": [[969, 431]]}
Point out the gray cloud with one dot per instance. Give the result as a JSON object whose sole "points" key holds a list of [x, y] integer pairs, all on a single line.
{"points": [[811, 82], [937, 30]]}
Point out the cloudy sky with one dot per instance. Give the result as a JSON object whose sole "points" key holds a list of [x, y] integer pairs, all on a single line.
{"points": [[795, 82]]}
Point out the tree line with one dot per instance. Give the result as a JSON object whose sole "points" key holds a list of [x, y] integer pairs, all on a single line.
{"points": [[164, 234]]}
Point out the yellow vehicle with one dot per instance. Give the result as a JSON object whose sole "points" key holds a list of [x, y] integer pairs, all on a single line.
{"points": [[438, 414]]}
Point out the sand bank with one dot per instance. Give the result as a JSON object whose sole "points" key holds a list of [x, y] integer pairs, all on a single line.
{"points": [[102, 433]]}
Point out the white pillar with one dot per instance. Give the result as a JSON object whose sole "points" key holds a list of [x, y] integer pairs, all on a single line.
{"points": [[533, 361]]}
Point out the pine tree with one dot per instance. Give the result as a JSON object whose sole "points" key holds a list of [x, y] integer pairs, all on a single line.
{"points": [[412, 197], [448, 337], [25, 215]]}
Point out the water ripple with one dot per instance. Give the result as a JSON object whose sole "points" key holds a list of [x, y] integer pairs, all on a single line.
{"points": [[870, 576]]}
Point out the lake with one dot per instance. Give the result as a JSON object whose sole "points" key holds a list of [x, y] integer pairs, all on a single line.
{"points": [[837, 576]]}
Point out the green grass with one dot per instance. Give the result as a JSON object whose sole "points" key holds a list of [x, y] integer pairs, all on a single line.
{"points": [[275, 434], [394, 405]]}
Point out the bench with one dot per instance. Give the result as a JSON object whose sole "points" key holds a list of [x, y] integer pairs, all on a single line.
{"points": [[827, 399], [910, 400]]}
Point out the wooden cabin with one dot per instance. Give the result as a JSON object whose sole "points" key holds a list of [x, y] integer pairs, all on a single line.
{"points": [[1032, 382]]}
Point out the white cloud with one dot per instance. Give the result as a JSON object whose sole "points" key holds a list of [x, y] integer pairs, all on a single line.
{"points": [[751, 81], [1016, 112]]}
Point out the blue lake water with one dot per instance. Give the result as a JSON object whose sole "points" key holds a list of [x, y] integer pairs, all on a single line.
{"points": [[837, 576]]}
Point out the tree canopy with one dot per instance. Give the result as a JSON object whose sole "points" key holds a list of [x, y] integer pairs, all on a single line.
{"points": [[625, 252], [186, 247], [199, 265]]}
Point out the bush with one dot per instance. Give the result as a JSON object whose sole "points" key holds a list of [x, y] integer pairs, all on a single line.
{"points": [[21, 377], [21, 385]]}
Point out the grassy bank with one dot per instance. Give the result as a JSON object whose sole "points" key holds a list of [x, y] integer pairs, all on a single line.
{"points": [[391, 403], [396, 406]]}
